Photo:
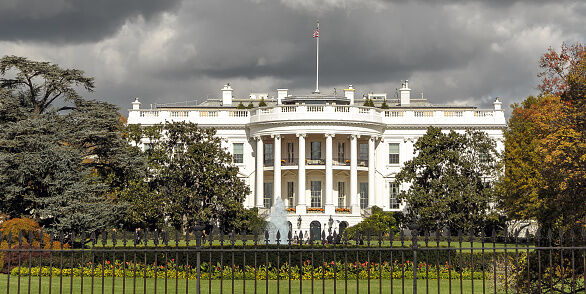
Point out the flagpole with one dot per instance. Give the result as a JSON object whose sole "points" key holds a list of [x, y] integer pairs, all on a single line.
{"points": [[317, 62]]}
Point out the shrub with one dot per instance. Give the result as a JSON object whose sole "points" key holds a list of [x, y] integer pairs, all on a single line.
{"points": [[31, 233], [379, 221]]}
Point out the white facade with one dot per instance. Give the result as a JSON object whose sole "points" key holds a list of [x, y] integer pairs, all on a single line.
{"points": [[328, 158]]}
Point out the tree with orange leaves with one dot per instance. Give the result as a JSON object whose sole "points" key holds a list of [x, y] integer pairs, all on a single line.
{"points": [[545, 146]]}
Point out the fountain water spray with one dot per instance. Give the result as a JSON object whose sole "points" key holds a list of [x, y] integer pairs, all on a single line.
{"points": [[278, 222]]}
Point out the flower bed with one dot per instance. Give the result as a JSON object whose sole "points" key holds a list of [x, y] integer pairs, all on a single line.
{"points": [[215, 272], [343, 210]]}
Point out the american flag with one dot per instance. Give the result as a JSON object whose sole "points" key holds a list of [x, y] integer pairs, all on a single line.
{"points": [[316, 33]]}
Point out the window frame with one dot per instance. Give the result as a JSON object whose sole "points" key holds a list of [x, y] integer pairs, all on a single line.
{"points": [[363, 194], [316, 195], [394, 191], [267, 200], [317, 151], [395, 158], [238, 157]]}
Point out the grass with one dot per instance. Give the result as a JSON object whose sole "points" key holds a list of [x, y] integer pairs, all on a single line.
{"points": [[121, 286]]}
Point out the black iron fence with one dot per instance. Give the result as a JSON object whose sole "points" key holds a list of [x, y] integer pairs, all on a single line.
{"points": [[160, 262]]}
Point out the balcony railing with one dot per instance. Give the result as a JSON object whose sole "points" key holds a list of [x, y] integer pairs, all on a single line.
{"points": [[315, 161], [362, 162], [341, 161], [289, 161]]}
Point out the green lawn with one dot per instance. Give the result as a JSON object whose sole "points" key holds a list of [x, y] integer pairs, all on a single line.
{"points": [[283, 286]]}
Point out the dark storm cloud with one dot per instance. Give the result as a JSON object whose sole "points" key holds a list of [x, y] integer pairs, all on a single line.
{"points": [[455, 51], [71, 20]]}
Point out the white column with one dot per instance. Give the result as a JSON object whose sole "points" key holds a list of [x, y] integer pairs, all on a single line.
{"points": [[354, 201], [371, 169], [329, 205], [301, 206], [259, 172], [277, 168]]}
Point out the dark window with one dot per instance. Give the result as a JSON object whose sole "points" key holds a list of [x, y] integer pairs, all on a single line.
{"points": [[315, 230], [341, 152], [363, 152], [363, 195], [268, 153], [393, 192], [290, 152], [268, 195], [290, 194], [315, 150]]}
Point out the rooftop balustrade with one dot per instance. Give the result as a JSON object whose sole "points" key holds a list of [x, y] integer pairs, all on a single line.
{"points": [[407, 116]]}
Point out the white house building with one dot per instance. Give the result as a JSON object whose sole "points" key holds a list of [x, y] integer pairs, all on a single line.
{"points": [[326, 156]]}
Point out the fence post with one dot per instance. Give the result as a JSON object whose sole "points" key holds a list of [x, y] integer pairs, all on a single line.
{"points": [[413, 227], [198, 235]]}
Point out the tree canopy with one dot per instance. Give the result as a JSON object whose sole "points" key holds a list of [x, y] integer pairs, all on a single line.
{"points": [[60, 167], [448, 180], [545, 146], [191, 180]]}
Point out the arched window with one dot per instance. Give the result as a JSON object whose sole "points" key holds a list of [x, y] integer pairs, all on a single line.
{"points": [[315, 230]]}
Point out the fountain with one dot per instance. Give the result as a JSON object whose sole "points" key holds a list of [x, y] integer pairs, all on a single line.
{"points": [[278, 222]]}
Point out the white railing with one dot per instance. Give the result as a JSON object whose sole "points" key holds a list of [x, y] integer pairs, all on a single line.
{"points": [[389, 113], [179, 113], [238, 113], [208, 114], [288, 109], [320, 112], [149, 113], [482, 113], [453, 113], [313, 108]]}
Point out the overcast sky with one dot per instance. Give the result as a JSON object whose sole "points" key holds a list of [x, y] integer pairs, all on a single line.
{"points": [[455, 51]]}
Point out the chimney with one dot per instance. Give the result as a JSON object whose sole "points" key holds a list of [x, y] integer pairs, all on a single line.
{"points": [[136, 104], [349, 94], [498, 105], [405, 93], [281, 93], [227, 95]]}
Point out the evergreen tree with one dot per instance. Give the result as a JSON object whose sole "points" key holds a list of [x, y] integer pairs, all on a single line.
{"points": [[262, 102], [250, 105], [448, 180], [191, 181], [240, 106], [384, 105], [60, 167]]}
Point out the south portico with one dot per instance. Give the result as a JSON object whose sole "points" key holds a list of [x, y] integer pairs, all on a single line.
{"points": [[323, 174]]}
